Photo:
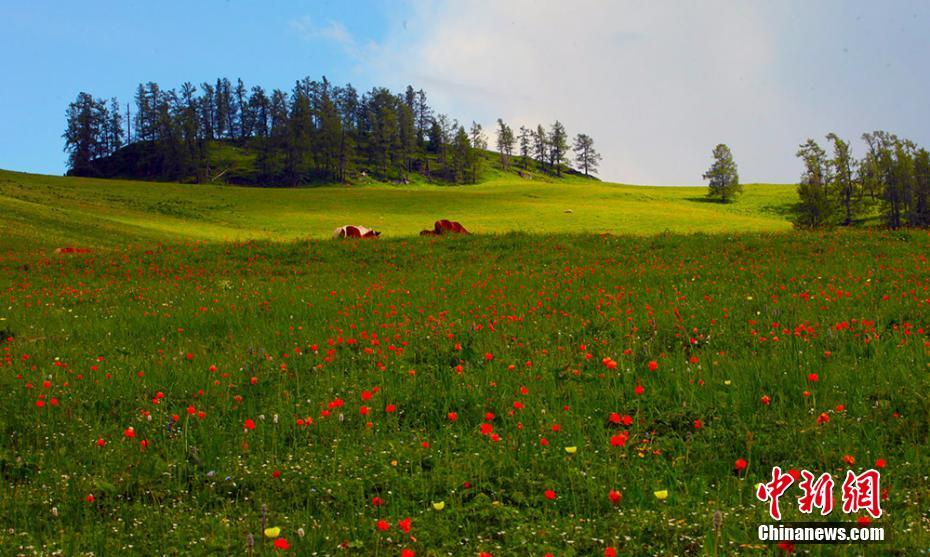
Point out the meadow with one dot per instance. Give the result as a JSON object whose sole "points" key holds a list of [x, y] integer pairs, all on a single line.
{"points": [[62, 211], [169, 387]]}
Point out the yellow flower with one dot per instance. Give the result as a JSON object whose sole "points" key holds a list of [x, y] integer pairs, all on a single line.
{"points": [[571, 450], [661, 495], [439, 505], [272, 532]]}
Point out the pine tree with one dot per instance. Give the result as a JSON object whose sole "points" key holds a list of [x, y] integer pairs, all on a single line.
{"points": [[586, 157], [816, 208], [558, 147], [722, 176]]}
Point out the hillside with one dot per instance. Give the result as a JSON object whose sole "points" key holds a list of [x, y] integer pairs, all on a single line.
{"points": [[237, 162], [54, 211]]}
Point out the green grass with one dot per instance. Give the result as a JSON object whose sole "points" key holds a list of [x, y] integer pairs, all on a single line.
{"points": [[200, 309], [68, 211], [514, 325]]}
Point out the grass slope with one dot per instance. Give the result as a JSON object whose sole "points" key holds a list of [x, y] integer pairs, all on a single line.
{"points": [[97, 212]]}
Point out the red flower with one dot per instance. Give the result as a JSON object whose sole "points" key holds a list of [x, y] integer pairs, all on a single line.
{"points": [[404, 525], [129, 432], [615, 496], [383, 525], [698, 424], [550, 494], [849, 459], [377, 501], [488, 357], [610, 552], [90, 498], [880, 463], [639, 390], [101, 442], [390, 408], [740, 464], [813, 377], [407, 553], [452, 416], [620, 439], [766, 399], [249, 424], [653, 365], [281, 544], [823, 418]]}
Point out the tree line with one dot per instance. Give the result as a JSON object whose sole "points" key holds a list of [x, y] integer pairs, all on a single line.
{"points": [[838, 189], [316, 132]]}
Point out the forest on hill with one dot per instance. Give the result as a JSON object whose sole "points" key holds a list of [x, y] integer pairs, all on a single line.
{"points": [[316, 133]]}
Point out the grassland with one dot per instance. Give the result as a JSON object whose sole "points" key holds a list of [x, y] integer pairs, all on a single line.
{"points": [[176, 391], [66, 211]]}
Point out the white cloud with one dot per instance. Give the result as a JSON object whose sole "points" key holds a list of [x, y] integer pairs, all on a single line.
{"points": [[332, 31], [657, 84]]}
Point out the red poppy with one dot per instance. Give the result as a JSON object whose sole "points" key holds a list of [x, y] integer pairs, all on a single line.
{"points": [[653, 365], [383, 525], [404, 525], [281, 544], [740, 464], [615, 496], [550, 494], [249, 424]]}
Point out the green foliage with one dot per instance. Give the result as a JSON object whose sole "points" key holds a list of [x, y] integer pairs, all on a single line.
{"points": [[722, 176]]}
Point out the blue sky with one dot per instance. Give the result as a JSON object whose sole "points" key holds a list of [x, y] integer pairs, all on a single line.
{"points": [[657, 84]]}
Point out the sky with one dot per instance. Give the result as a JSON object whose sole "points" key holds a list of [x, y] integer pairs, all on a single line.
{"points": [[656, 83]]}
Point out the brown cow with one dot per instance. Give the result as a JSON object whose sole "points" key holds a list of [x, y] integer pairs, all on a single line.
{"points": [[444, 226], [354, 231]]}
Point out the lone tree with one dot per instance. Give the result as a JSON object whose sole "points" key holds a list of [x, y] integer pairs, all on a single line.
{"points": [[722, 176], [586, 157]]}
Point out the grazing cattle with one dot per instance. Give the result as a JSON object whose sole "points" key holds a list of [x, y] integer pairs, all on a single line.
{"points": [[353, 231], [445, 227]]}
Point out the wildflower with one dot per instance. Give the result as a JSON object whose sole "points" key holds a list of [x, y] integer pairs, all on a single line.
{"points": [[439, 505], [249, 424], [615, 496], [571, 450], [661, 495], [740, 464], [550, 494], [404, 525], [383, 525], [273, 532], [653, 365], [282, 544]]}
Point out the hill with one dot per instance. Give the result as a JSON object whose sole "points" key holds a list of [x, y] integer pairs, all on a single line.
{"points": [[239, 162], [55, 211]]}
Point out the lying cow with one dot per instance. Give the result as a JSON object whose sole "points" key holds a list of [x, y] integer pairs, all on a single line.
{"points": [[353, 231], [445, 227]]}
